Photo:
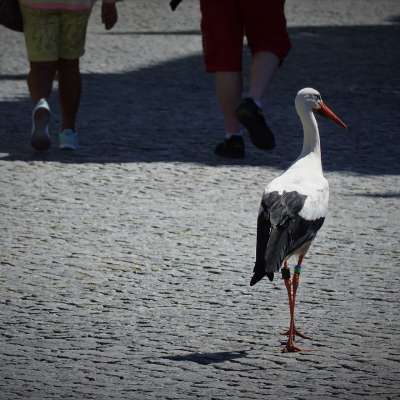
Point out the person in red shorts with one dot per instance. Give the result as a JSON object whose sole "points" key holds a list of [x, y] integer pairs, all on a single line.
{"points": [[224, 24]]}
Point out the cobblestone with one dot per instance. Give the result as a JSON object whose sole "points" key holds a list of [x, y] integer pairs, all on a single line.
{"points": [[124, 267]]}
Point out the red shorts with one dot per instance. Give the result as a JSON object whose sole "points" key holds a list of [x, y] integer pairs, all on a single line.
{"points": [[224, 24]]}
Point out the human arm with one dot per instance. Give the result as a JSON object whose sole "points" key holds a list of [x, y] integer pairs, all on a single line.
{"points": [[109, 13]]}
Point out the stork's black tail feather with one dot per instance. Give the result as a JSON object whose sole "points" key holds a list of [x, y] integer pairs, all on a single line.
{"points": [[277, 249], [270, 255], [263, 232], [257, 277]]}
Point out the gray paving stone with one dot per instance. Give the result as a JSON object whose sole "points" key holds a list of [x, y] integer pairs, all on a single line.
{"points": [[124, 268]]}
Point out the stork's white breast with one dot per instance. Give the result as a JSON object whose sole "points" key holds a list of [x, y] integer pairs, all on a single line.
{"points": [[315, 187]]}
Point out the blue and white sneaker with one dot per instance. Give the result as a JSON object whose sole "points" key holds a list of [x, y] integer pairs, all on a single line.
{"points": [[68, 139], [40, 139]]}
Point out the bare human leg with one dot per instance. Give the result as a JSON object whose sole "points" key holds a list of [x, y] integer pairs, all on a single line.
{"points": [[263, 66], [70, 87], [250, 112], [229, 92], [40, 79]]}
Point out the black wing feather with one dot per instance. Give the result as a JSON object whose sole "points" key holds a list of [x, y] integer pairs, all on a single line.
{"points": [[263, 234], [286, 231]]}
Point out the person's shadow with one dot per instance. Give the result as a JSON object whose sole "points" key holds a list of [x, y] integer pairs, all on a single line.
{"points": [[168, 112]]}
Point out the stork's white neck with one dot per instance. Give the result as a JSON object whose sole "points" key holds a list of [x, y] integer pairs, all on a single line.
{"points": [[311, 142]]}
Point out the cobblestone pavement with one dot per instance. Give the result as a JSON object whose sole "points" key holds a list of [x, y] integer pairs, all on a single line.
{"points": [[125, 266]]}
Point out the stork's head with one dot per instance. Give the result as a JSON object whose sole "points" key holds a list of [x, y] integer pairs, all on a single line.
{"points": [[309, 99]]}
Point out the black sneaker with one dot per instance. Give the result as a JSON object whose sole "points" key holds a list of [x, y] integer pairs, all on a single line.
{"points": [[231, 148], [252, 118]]}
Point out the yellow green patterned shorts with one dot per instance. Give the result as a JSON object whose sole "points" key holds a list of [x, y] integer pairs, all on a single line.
{"points": [[54, 34]]}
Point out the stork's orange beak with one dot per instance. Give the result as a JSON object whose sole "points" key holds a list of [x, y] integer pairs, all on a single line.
{"points": [[327, 112]]}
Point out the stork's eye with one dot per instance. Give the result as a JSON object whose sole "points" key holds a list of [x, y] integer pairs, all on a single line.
{"points": [[318, 99]]}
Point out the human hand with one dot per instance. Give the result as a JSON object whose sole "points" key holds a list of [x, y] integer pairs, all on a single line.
{"points": [[109, 15]]}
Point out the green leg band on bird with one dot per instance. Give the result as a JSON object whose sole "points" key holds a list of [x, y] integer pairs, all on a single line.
{"points": [[297, 269], [285, 273]]}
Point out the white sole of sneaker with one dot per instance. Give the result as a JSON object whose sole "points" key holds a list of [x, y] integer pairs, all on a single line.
{"points": [[40, 139], [67, 147]]}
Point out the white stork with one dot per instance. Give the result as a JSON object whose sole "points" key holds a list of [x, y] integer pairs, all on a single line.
{"points": [[293, 207]]}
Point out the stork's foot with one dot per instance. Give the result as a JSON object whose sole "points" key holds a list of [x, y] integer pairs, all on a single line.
{"points": [[291, 348], [296, 333]]}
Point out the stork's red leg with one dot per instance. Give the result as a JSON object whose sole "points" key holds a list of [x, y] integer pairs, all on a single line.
{"points": [[296, 281], [296, 333], [290, 346], [294, 286], [291, 286]]}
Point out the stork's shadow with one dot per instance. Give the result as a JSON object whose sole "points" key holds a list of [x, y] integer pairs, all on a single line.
{"points": [[378, 195], [168, 112], [209, 358]]}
